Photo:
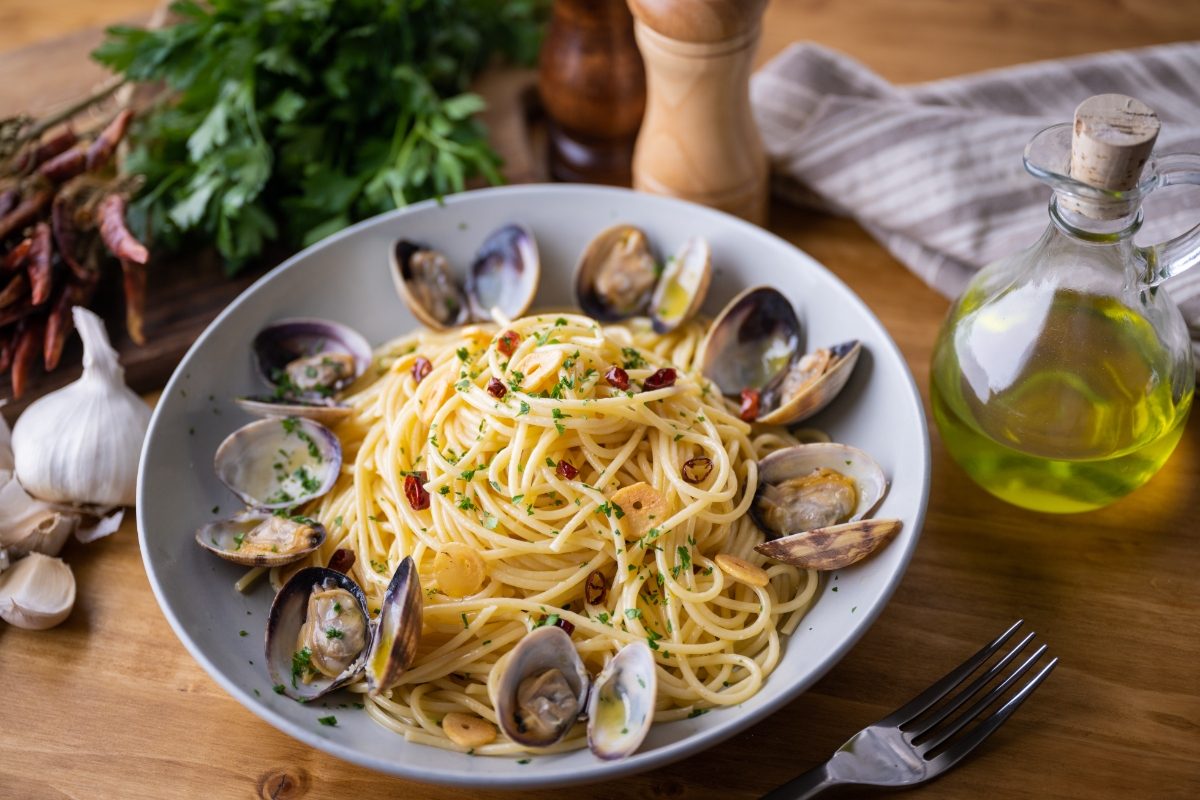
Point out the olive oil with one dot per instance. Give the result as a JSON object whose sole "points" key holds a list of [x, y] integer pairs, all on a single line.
{"points": [[1074, 408]]}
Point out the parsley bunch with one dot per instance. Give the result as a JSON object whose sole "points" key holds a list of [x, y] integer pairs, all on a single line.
{"points": [[291, 119]]}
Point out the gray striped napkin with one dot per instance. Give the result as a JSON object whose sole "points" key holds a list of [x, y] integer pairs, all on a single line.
{"points": [[933, 170]]}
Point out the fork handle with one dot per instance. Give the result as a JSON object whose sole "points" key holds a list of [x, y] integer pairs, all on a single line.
{"points": [[810, 784]]}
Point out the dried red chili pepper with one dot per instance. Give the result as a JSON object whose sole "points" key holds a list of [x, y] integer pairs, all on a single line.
{"points": [[696, 469], [595, 588], [29, 340], [38, 265], [661, 379], [414, 490], [569, 627], [34, 156], [59, 324], [749, 408], [342, 560], [16, 288], [101, 149], [421, 368], [496, 388], [25, 213], [134, 275], [8, 200], [6, 350], [115, 235], [62, 225], [64, 166], [508, 342], [617, 377], [566, 471], [14, 260], [17, 311]]}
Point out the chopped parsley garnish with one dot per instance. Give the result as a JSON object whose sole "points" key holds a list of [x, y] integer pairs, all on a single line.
{"points": [[331, 720], [333, 633], [696, 712], [239, 540], [462, 353], [633, 359], [443, 490], [243, 633], [524, 409], [302, 664], [464, 619], [633, 613], [279, 688]]}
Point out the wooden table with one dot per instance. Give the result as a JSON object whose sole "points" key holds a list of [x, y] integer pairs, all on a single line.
{"points": [[111, 706]]}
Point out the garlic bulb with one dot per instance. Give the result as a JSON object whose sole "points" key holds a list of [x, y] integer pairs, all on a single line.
{"points": [[37, 592], [28, 525], [81, 444]]}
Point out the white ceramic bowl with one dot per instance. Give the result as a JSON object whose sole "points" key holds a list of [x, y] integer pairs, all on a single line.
{"points": [[346, 278]]}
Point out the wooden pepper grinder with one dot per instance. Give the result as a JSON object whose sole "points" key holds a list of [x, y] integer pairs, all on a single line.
{"points": [[698, 140], [593, 87]]}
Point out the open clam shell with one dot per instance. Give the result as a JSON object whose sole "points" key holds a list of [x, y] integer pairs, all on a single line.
{"points": [[504, 276], [279, 463], [616, 274], [266, 406], [751, 342], [809, 384], [683, 285], [543, 689], [621, 703], [257, 539], [398, 631], [817, 485], [318, 633], [834, 547], [426, 283], [310, 360]]}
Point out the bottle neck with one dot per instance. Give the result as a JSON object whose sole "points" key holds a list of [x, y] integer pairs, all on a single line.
{"points": [[1088, 222]]}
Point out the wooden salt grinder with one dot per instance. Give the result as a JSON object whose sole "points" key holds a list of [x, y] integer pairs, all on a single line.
{"points": [[698, 140], [593, 87]]}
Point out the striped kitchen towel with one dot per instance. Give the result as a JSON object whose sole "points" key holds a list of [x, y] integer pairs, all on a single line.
{"points": [[934, 170]]}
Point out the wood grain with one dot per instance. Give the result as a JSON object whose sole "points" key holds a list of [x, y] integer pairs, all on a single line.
{"points": [[110, 705]]}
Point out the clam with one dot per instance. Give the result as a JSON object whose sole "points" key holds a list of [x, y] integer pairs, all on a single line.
{"points": [[318, 634], [754, 346], [812, 502], [258, 539], [543, 689], [307, 362], [621, 705], [501, 282], [279, 463], [398, 631], [618, 276]]}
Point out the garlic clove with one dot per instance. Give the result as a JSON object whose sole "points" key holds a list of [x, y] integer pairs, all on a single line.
{"points": [[28, 525], [37, 592], [6, 453], [104, 523], [81, 443]]}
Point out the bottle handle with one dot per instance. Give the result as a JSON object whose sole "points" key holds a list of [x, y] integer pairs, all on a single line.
{"points": [[1177, 255]]}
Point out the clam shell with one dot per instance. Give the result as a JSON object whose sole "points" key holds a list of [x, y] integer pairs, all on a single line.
{"points": [[751, 342], [456, 310], [833, 547], [621, 703], [287, 616], [269, 462], [504, 276], [803, 459], [286, 340], [264, 406], [682, 287], [544, 648], [637, 281], [817, 394], [399, 630], [220, 537]]}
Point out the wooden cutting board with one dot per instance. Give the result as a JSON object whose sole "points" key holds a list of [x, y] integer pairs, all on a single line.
{"points": [[186, 291]]}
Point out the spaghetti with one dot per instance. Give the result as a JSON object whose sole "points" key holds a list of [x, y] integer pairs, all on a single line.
{"points": [[493, 460]]}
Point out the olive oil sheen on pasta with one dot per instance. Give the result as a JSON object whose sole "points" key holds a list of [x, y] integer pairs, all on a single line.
{"points": [[1071, 413]]}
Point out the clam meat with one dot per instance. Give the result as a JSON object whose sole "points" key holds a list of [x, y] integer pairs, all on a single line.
{"points": [[543, 688], [258, 539], [318, 633]]}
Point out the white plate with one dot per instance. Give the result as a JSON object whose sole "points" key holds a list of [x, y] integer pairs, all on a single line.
{"points": [[346, 278]]}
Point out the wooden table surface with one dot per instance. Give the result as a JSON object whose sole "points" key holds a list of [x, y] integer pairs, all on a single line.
{"points": [[110, 705]]}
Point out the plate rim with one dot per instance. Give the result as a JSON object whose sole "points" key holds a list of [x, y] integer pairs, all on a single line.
{"points": [[602, 770]]}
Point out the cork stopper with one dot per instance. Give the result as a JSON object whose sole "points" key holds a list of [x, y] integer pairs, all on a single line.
{"points": [[1113, 138]]}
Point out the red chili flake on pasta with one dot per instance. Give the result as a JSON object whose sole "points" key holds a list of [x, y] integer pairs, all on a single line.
{"points": [[566, 471], [569, 627], [617, 377], [696, 469], [749, 410], [661, 379], [414, 490], [342, 560], [496, 388], [420, 368], [507, 344]]}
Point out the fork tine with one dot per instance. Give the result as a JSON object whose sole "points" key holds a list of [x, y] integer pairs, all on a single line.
{"points": [[953, 754], [916, 732], [982, 704], [937, 691]]}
